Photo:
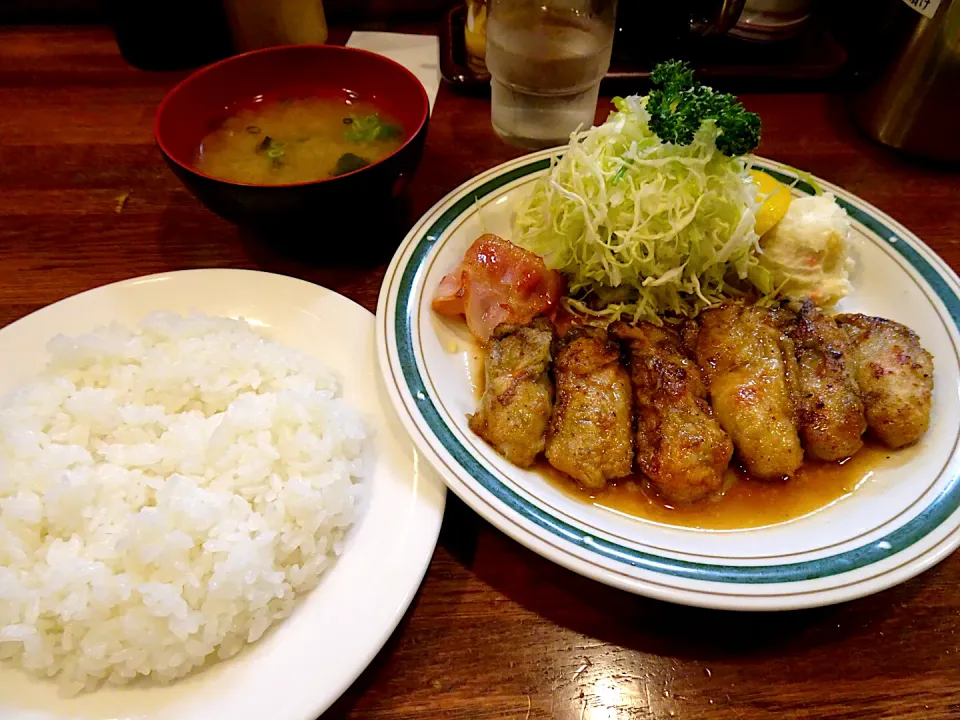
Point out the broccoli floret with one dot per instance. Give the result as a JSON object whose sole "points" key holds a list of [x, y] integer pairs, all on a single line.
{"points": [[673, 75], [678, 105]]}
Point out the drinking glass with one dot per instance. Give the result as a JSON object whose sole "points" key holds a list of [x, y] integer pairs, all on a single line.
{"points": [[546, 59]]}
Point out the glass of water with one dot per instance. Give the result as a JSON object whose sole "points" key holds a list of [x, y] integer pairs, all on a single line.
{"points": [[546, 59]]}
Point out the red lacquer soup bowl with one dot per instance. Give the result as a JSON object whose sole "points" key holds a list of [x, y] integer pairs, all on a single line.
{"points": [[204, 100]]}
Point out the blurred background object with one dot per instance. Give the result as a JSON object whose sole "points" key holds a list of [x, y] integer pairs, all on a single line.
{"points": [[475, 35], [256, 24], [791, 49], [168, 34], [771, 20], [897, 66], [907, 78], [651, 31], [339, 12]]}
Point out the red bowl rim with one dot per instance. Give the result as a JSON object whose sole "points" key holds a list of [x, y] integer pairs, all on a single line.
{"points": [[425, 109]]}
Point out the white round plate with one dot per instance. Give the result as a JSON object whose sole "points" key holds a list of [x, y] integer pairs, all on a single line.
{"points": [[900, 522], [306, 662]]}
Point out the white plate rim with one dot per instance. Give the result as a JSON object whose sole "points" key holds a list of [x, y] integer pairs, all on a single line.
{"points": [[766, 588]]}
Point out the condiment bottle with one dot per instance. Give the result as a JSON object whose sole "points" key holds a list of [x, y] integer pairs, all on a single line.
{"points": [[475, 35]]}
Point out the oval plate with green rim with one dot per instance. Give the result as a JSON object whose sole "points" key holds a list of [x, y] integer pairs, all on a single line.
{"points": [[902, 520]]}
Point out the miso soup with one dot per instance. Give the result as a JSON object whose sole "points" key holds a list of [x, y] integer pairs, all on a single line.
{"points": [[293, 141]]}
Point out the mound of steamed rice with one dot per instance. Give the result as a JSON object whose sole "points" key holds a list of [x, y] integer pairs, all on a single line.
{"points": [[166, 493]]}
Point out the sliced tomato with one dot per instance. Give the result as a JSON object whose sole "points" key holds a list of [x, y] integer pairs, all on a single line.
{"points": [[498, 282]]}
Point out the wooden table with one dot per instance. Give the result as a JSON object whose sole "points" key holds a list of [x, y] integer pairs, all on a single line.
{"points": [[496, 631]]}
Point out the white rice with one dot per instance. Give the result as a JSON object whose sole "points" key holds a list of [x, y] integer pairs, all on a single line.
{"points": [[166, 494]]}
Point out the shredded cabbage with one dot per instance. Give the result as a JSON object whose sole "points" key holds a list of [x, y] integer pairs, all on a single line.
{"points": [[644, 228]]}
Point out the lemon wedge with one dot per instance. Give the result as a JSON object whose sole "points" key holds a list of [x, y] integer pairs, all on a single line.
{"points": [[775, 198]]}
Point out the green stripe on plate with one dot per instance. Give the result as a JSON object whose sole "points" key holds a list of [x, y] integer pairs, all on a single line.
{"points": [[942, 507]]}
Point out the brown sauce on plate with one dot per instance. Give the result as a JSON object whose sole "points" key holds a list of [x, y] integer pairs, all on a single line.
{"points": [[745, 503]]}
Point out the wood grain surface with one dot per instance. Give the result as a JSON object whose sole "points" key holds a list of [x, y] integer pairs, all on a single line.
{"points": [[496, 631]]}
